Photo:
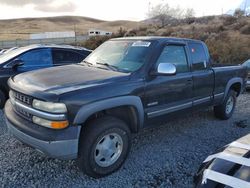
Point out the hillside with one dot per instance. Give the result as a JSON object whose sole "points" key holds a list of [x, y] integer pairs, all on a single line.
{"points": [[21, 28], [227, 37]]}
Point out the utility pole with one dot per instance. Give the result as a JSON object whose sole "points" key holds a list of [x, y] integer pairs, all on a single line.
{"points": [[149, 6], [245, 8], [75, 32]]}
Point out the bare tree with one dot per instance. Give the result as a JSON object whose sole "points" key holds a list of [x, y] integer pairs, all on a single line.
{"points": [[189, 13], [166, 14], [239, 13], [160, 12]]}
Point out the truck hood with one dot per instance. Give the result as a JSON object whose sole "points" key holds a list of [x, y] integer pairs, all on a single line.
{"points": [[64, 79]]}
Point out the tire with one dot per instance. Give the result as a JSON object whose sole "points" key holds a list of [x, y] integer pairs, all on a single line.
{"points": [[94, 158], [2, 99], [226, 109]]}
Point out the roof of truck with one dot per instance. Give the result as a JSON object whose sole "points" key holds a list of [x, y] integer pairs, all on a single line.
{"points": [[158, 38]]}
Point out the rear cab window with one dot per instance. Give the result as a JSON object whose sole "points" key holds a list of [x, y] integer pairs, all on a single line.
{"points": [[200, 59]]}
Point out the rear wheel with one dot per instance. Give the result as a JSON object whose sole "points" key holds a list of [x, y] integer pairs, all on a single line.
{"points": [[226, 109], [104, 146]]}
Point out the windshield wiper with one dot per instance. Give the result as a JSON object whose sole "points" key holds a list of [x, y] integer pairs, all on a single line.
{"points": [[111, 67], [86, 63]]}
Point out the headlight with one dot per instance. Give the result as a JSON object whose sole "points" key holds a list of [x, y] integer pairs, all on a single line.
{"points": [[49, 106], [50, 124]]}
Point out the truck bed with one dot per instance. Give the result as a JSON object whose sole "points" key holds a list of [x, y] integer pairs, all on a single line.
{"points": [[224, 73]]}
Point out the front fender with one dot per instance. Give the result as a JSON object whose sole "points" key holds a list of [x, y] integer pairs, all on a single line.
{"points": [[89, 109]]}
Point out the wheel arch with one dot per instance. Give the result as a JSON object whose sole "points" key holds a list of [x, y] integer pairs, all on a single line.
{"points": [[127, 108], [235, 84]]}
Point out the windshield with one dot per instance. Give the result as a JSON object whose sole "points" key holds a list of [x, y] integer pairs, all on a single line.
{"points": [[124, 56], [11, 54], [247, 63]]}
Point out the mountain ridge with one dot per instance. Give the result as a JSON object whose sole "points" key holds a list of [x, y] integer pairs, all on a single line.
{"points": [[20, 28]]}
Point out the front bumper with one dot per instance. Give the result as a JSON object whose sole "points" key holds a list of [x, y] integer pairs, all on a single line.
{"points": [[52, 146]]}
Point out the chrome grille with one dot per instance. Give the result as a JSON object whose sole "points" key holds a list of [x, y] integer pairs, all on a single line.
{"points": [[24, 99], [23, 113], [21, 97]]}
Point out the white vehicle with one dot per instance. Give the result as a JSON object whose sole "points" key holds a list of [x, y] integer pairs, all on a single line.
{"points": [[95, 32]]}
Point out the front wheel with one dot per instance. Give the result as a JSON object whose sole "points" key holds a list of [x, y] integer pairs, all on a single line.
{"points": [[2, 99], [226, 109], [104, 146]]}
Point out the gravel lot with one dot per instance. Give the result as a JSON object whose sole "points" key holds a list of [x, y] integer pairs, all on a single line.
{"points": [[167, 156]]}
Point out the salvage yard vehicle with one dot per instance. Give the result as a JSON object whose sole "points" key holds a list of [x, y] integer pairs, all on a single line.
{"points": [[32, 57], [229, 167], [88, 111], [4, 51], [247, 64]]}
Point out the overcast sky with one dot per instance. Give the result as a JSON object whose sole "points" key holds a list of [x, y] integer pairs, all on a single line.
{"points": [[106, 9]]}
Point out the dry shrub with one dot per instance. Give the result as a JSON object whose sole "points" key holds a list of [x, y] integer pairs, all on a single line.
{"points": [[229, 49], [132, 33], [93, 42], [245, 30], [228, 37], [214, 28], [229, 20], [240, 24]]}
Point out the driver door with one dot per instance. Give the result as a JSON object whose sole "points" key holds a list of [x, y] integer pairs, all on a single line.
{"points": [[167, 94]]}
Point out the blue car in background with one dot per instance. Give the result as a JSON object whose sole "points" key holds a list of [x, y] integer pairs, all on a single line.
{"points": [[34, 57]]}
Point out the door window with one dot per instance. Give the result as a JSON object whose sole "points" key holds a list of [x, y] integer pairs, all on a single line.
{"points": [[66, 57], [198, 56], [36, 58], [175, 55]]}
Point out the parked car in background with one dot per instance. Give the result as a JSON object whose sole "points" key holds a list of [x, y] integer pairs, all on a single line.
{"points": [[10, 49], [2, 51], [228, 167], [34, 57], [247, 64], [89, 110]]}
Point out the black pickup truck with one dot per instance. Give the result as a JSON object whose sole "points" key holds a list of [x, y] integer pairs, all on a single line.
{"points": [[88, 111]]}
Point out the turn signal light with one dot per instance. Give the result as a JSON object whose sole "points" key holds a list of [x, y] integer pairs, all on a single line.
{"points": [[59, 124], [50, 124]]}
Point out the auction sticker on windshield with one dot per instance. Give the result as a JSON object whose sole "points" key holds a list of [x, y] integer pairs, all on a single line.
{"points": [[141, 44]]}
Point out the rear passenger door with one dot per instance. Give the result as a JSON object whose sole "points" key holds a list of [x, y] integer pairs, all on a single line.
{"points": [[64, 57], [202, 74]]}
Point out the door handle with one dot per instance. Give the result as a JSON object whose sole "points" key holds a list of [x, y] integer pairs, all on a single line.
{"points": [[189, 82]]}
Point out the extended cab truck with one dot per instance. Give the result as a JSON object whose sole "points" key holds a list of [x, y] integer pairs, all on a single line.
{"points": [[89, 110]]}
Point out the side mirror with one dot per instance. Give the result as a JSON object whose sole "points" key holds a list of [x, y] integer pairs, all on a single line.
{"points": [[16, 63], [166, 69]]}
